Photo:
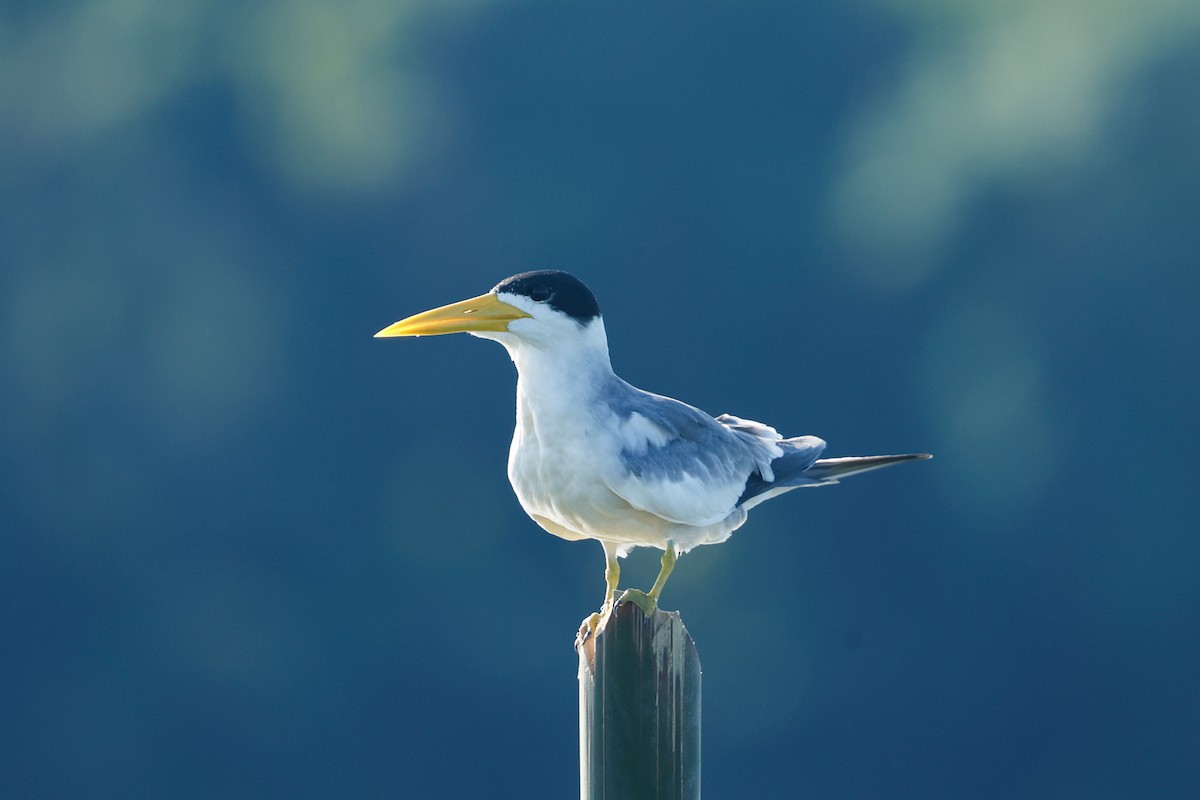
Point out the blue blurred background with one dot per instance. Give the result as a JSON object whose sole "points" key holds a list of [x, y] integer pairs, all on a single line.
{"points": [[250, 552]]}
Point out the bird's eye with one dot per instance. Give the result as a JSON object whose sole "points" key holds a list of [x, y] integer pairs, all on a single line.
{"points": [[539, 294]]}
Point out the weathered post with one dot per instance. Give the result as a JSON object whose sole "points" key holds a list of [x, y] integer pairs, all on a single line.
{"points": [[639, 708]]}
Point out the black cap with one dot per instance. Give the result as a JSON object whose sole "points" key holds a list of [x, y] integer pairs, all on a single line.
{"points": [[561, 290]]}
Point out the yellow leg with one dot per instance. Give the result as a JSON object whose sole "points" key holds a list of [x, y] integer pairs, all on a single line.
{"points": [[648, 601], [668, 564], [612, 576]]}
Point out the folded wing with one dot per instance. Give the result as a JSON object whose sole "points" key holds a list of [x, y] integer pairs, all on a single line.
{"points": [[682, 465]]}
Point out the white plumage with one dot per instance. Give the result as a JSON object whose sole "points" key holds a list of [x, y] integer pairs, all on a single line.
{"points": [[593, 457]]}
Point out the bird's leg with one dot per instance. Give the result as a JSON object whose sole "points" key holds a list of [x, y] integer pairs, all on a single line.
{"points": [[648, 601], [668, 564], [612, 575]]}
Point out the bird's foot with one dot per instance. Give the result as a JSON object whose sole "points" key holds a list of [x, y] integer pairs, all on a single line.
{"points": [[588, 628], [646, 602], [593, 624]]}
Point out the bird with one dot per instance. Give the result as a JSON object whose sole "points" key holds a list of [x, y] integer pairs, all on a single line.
{"points": [[594, 457]]}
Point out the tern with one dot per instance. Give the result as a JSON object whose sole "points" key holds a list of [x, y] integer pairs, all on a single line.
{"points": [[594, 457]]}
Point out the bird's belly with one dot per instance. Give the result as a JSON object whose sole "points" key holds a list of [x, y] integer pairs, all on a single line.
{"points": [[565, 493], [561, 486]]}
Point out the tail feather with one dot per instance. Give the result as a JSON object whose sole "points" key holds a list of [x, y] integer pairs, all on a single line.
{"points": [[817, 472], [831, 470]]}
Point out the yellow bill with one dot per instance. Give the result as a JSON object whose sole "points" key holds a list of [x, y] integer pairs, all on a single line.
{"points": [[483, 313]]}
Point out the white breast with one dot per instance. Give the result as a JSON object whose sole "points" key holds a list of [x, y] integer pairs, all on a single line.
{"points": [[555, 464], [567, 445]]}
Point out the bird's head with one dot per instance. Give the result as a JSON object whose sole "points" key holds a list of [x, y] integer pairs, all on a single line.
{"points": [[546, 310]]}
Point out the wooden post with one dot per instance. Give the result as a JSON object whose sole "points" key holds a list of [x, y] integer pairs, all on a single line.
{"points": [[639, 709]]}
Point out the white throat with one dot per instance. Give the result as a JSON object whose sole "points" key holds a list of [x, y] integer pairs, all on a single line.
{"points": [[554, 375]]}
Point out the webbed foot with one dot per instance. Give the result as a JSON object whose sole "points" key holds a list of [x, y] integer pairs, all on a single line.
{"points": [[646, 602], [588, 628], [593, 624]]}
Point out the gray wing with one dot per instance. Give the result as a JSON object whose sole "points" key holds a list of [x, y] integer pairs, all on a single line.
{"points": [[791, 470], [681, 464]]}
